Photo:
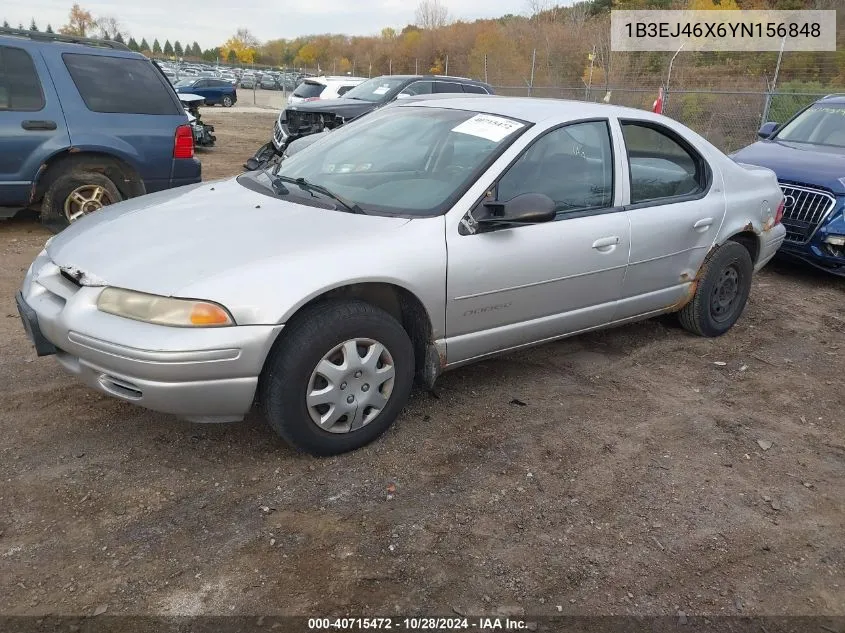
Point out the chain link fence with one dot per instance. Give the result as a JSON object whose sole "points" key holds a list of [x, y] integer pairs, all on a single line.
{"points": [[728, 119]]}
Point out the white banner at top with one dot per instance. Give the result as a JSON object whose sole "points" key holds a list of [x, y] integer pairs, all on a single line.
{"points": [[757, 30]]}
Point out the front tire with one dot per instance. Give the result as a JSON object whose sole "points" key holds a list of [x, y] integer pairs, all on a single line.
{"points": [[338, 378], [722, 292], [227, 101]]}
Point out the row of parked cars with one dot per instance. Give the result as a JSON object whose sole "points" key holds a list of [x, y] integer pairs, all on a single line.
{"points": [[421, 233]]}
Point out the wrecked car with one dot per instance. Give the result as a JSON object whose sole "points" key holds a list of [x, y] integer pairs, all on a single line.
{"points": [[310, 117], [425, 237]]}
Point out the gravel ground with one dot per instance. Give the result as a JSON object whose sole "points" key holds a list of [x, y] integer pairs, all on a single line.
{"points": [[634, 471]]}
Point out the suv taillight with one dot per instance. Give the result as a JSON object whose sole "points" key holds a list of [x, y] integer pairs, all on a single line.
{"points": [[183, 144], [779, 213]]}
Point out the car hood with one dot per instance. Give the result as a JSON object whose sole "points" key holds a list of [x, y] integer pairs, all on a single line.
{"points": [[343, 107], [798, 163], [163, 242]]}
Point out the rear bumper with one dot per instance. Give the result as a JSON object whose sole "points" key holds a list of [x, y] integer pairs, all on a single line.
{"points": [[771, 241], [203, 374]]}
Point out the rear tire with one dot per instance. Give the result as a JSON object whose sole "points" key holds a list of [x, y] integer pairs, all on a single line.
{"points": [[227, 101], [76, 192], [722, 292], [320, 397]]}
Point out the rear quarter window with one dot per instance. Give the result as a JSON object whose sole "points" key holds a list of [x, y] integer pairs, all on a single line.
{"points": [[473, 89], [309, 90], [119, 85], [20, 88]]}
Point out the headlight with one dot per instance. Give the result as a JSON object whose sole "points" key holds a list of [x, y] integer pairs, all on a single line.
{"points": [[163, 310]]}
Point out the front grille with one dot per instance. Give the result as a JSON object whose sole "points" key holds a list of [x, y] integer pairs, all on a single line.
{"points": [[304, 123], [805, 208], [278, 134]]}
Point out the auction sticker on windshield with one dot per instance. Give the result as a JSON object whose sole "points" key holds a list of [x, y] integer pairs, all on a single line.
{"points": [[381, 90], [493, 128]]}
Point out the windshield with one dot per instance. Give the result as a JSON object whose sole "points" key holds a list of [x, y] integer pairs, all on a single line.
{"points": [[375, 90], [184, 83], [408, 161], [818, 125]]}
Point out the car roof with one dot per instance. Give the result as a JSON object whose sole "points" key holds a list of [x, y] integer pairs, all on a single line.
{"points": [[834, 98], [69, 43], [534, 110], [465, 80]]}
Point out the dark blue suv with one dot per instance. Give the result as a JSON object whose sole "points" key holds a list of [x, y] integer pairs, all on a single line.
{"points": [[808, 155], [83, 124]]}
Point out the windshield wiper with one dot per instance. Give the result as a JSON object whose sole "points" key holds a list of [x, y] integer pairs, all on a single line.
{"points": [[312, 187]]}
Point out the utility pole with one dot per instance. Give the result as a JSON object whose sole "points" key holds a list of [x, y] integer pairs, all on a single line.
{"points": [[485, 69], [533, 63], [592, 58], [668, 77], [447, 64]]}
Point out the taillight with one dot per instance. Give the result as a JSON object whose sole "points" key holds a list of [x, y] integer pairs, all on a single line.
{"points": [[183, 144], [779, 213]]}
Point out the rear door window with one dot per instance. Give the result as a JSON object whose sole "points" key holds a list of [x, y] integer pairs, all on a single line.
{"points": [[20, 88], [119, 84], [309, 90], [447, 86], [475, 89]]}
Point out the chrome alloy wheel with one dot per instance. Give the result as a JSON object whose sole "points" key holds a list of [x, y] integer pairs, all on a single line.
{"points": [[84, 200], [350, 386]]}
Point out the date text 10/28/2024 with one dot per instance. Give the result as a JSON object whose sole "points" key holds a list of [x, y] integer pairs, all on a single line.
{"points": [[418, 624]]}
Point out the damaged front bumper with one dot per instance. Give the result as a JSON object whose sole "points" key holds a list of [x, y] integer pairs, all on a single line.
{"points": [[202, 374]]}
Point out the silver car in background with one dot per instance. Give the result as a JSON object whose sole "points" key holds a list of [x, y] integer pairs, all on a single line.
{"points": [[428, 236]]}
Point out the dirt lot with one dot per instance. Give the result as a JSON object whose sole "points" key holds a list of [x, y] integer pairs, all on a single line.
{"points": [[632, 481]]}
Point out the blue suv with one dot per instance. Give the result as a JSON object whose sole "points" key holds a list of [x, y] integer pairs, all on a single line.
{"points": [[808, 155], [83, 124]]}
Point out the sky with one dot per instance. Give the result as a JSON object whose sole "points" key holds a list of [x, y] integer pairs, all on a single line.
{"points": [[211, 22]]}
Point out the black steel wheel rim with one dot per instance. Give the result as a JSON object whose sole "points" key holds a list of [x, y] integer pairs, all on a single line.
{"points": [[724, 299]]}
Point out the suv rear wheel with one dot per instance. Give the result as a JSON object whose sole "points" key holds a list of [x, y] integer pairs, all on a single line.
{"points": [[227, 101], [75, 193]]}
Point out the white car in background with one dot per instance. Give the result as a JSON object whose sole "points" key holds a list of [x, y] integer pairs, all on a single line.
{"points": [[323, 88]]}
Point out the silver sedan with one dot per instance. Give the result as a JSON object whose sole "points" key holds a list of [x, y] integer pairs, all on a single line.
{"points": [[422, 238]]}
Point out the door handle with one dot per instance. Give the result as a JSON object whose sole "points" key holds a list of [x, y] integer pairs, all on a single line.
{"points": [[606, 244], [39, 125], [703, 224]]}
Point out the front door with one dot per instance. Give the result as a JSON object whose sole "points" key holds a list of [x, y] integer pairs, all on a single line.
{"points": [[513, 286], [32, 126]]}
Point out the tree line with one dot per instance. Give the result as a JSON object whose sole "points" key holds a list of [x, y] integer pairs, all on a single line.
{"points": [[546, 45]]}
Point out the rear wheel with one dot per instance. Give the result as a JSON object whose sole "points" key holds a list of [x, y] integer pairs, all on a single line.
{"points": [[227, 101], [722, 292], [339, 377], [75, 193]]}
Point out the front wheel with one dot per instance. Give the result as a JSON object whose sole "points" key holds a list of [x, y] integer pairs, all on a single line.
{"points": [[227, 101], [339, 377], [722, 292]]}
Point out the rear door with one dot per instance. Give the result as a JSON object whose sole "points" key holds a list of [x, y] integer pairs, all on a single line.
{"points": [[32, 126], [448, 86], [676, 207], [122, 105]]}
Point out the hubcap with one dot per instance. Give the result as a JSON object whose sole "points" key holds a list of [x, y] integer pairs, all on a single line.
{"points": [[725, 294], [84, 200], [350, 386]]}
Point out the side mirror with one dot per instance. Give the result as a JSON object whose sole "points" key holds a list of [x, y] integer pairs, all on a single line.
{"points": [[527, 208], [252, 164], [767, 130]]}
